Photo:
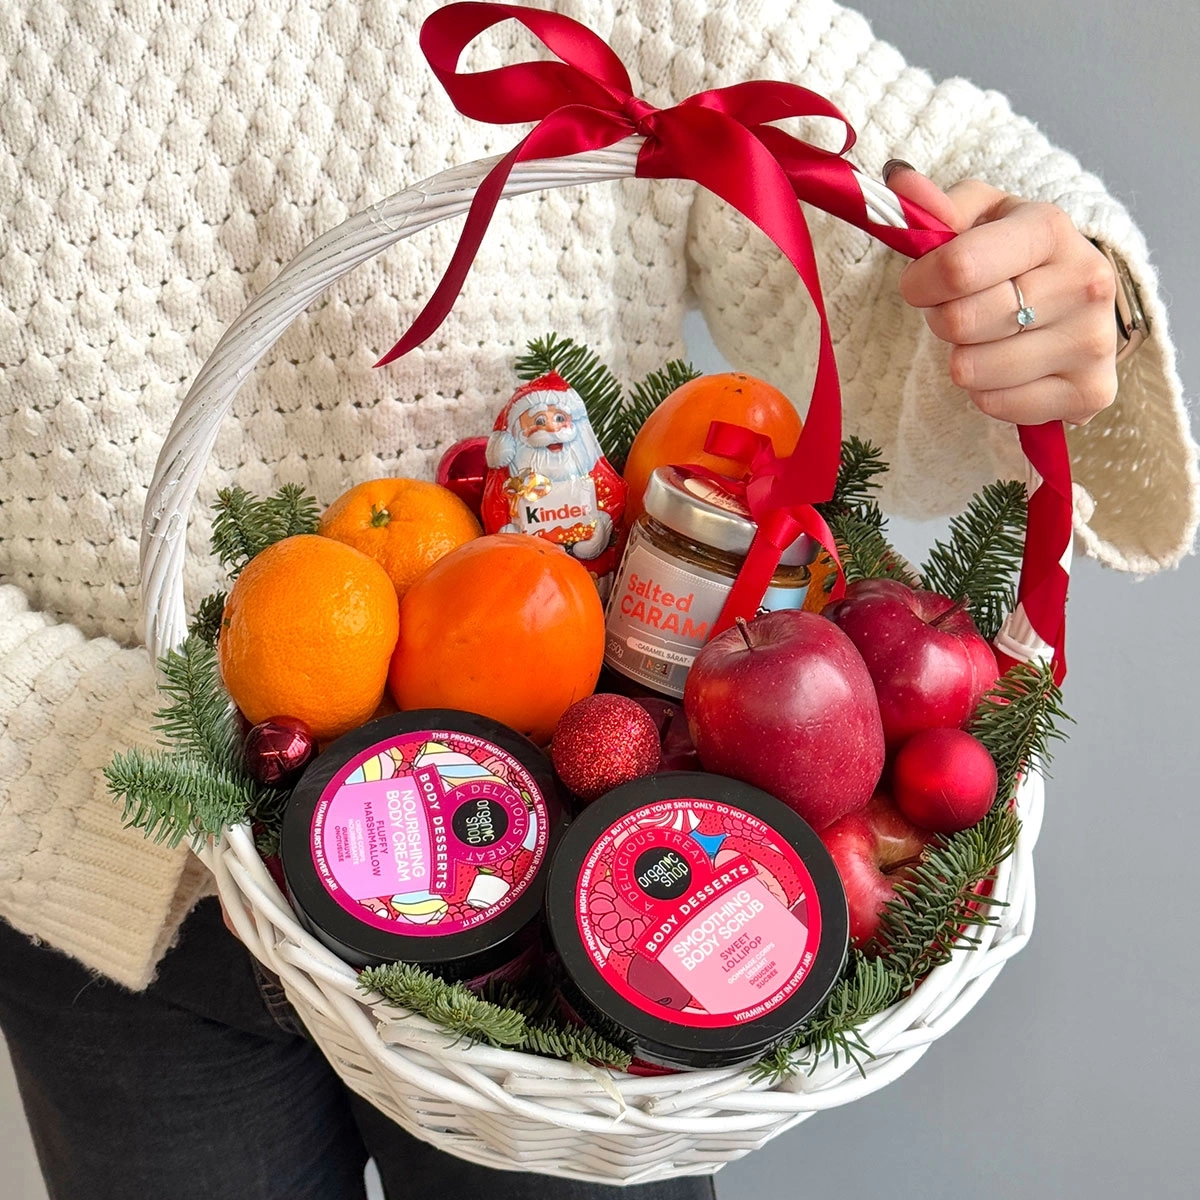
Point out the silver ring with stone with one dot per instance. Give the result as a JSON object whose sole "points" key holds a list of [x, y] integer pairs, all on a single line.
{"points": [[1025, 314]]}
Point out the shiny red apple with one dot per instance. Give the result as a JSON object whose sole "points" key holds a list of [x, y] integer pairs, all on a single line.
{"points": [[785, 702], [930, 665], [944, 779], [872, 850]]}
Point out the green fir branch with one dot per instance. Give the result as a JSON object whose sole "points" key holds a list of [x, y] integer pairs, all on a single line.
{"points": [[979, 563], [858, 479], [244, 525], [935, 907], [199, 716], [210, 613], [290, 511], [645, 396], [583, 370], [865, 551], [866, 988], [1018, 721], [459, 1011], [575, 1044], [171, 796]]}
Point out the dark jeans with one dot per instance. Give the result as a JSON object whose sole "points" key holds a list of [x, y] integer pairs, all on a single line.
{"points": [[197, 1090]]}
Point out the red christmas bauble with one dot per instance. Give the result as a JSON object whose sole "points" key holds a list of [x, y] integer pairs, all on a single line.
{"points": [[602, 742], [462, 470], [276, 751], [944, 780]]}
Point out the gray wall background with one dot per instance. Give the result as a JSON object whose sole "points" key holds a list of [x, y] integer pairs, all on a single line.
{"points": [[1076, 1074]]}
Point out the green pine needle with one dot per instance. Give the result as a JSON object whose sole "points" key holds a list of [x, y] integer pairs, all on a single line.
{"points": [[478, 1019], [244, 525], [210, 612], [170, 796], [645, 397], [1018, 721], [861, 536], [595, 383], [859, 470], [198, 718], [867, 987], [980, 562]]}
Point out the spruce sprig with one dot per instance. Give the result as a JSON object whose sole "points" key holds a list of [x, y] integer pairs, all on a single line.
{"points": [[244, 525], [645, 396], [979, 563], [864, 549], [171, 796], [210, 612], [1018, 721], [512, 1025], [198, 718], [866, 988], [858, 479], [583, 370], [935, 906], [198, 782]]}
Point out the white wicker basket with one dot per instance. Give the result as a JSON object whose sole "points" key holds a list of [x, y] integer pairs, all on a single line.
{"points": [[498, 1107]]}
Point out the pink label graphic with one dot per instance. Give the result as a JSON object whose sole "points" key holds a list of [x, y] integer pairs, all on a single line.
{"points": [[698, 911], [429, 833]]}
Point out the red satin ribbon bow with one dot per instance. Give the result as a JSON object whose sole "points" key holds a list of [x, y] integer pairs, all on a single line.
{"points": [[778, 526], [723, 140]]}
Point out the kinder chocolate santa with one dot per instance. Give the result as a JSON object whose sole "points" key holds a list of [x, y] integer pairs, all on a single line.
{"points": [[548, 477]]}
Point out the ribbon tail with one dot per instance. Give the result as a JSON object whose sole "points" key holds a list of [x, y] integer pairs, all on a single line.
{"points": [[437, 307], [776, 531]]}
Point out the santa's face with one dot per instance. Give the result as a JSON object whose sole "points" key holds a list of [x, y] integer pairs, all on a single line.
{"points": [[552, 443], [549, 427]]}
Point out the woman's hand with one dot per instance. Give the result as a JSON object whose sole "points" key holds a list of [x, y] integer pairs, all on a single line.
{"points": [[1062, 367]]}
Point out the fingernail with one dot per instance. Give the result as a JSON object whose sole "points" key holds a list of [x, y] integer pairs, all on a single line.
{"points": [[895, 164]]}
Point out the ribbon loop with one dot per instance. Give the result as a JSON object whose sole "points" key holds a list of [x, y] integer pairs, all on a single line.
{"points": [[724, 140]]}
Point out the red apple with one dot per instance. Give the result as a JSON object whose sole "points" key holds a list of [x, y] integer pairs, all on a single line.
{"points": [[872, 850], [930, 664], [944, 780], [784, 702]]}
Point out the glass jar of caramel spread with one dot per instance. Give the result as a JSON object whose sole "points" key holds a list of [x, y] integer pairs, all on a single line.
{"points": [[683, 555]]}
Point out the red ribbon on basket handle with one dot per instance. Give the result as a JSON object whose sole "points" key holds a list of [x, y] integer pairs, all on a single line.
{"points": [[723, 140]]}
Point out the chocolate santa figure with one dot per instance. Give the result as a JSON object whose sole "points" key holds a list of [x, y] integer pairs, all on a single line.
{"points": [[548, 477]]}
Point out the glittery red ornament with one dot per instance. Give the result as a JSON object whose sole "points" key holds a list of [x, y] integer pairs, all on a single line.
{"points": [[602, 742], [276, 751], [944, 780], [462, 469]]}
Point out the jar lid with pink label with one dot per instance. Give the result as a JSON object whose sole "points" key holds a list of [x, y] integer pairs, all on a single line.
{"points": [[424, 837], [697, 919]]}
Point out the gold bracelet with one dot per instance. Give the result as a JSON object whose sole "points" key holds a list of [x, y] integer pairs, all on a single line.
{"points": [[1133, 326]]}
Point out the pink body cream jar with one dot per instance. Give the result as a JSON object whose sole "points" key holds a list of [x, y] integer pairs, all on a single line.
{"points": [[697, 920], [424, 837]]}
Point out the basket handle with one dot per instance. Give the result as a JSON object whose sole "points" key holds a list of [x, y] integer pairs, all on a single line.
{"points": [[189, 442]]}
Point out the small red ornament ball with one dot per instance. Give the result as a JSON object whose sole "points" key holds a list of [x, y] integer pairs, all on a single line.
{"points": [[604, 741], [276, 751], [944, 780], [462, 470]]}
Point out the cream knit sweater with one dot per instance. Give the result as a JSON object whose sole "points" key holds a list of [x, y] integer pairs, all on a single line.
{"points": [[160, 162]]}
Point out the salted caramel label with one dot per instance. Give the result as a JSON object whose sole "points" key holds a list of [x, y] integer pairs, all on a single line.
{"points": [[662, 611]]}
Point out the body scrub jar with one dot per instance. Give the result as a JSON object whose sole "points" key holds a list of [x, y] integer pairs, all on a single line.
{"points": [[697, 920], [424, 837], [683, 555]]}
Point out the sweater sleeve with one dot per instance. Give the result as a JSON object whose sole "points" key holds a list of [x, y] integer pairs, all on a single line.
{"points": [[74, 875], [1134, 464]]}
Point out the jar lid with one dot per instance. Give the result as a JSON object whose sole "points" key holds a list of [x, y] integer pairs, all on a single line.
{"points": [[696, 918], [701, 507], [423, 837]]}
